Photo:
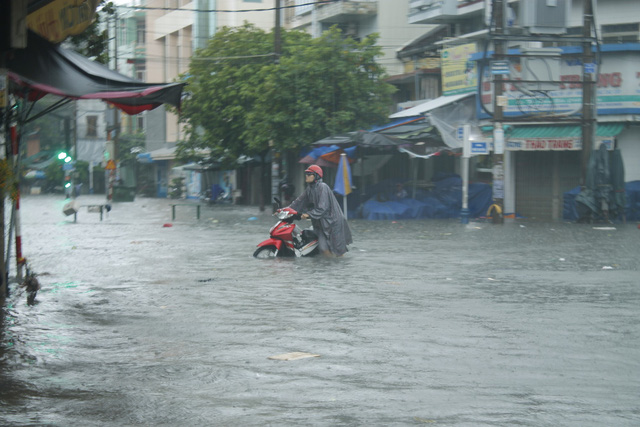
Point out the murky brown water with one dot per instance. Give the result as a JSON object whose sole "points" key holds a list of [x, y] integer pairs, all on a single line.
{"points": [[422, 322]]}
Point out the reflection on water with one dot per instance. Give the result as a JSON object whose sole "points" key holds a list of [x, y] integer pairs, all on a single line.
{"points": [[422, 321]]}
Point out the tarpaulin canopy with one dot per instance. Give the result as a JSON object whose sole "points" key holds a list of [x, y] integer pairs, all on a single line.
{"points": [[428, 106], [44, 68], [361, 138]]}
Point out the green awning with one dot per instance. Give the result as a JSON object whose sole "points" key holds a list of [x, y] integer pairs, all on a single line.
{"points": [[528, 132]]}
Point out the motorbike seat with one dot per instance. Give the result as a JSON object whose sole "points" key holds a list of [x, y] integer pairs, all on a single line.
{"points": [[309, 235]]}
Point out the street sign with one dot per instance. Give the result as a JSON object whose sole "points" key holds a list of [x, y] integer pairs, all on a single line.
{"points": [[111, 165], [460, 133], [590, 68], [67, 166], [500, 67], [498, 140], [479, 147]]}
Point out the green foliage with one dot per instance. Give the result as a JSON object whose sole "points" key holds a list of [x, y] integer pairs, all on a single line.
{"points": [[81, 174], [240, 99], [94, 41], [176, 187], [50, 127], [128, 141]]}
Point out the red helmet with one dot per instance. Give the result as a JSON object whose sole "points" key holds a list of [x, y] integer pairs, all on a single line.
{"points": [[315, 169]]}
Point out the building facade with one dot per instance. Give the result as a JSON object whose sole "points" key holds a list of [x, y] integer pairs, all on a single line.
{"points": [[175, 29], [542, 103], [360, 18]]}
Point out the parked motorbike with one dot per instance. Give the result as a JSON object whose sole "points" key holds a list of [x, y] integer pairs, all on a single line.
{"points": [[287, 239]]}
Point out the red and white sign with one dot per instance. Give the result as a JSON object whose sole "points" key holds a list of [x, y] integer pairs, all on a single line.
{"points": [[544, 144]]}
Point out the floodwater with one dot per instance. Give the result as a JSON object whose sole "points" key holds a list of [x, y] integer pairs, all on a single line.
{"points": [[421, 323]]}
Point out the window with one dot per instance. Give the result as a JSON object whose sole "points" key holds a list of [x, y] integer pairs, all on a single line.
{"points": [[140, 33], [92, 126]]}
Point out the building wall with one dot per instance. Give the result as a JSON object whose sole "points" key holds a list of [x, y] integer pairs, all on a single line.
{"points": [[262, 19], [629, 143], [607, 12], [395, 32], [91, 142], [172, 37], [390, 23]]}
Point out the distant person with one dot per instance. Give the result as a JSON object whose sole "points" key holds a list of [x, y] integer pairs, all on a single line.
{"points": [[401, 193], [319, 204]]}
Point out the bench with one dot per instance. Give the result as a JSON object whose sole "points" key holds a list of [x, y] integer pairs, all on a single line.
{"points": [[173, 209], [93, 209]]}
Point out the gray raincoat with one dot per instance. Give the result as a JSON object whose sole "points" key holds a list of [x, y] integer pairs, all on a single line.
{"points": [[327, 218]]}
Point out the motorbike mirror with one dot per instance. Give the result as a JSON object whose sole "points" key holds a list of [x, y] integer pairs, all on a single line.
{"points": [[277, 203]]}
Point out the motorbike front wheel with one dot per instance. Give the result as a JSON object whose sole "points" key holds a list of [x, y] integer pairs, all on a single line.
{"points": [[265, 252]]}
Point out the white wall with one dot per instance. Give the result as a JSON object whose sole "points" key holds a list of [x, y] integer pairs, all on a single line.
{"points": [[395, 32], [629, 144], [90, 149], [607, 12]]}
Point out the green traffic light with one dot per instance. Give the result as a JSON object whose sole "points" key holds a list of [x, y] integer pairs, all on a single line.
{"points": [[67, 159], [62, 155], [67, 185]]}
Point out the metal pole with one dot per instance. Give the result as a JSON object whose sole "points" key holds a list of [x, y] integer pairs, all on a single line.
{"points": [[588, 90], [464, 165], [498, 156]]}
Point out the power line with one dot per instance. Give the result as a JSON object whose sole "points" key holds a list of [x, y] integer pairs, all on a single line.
{"points": [[173, 9]]}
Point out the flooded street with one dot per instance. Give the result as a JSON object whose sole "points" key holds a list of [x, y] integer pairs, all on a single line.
{"points": [[423, 322]]}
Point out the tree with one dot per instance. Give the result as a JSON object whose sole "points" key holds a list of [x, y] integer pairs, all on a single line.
{"points": [[94, 41], [240, 100]]}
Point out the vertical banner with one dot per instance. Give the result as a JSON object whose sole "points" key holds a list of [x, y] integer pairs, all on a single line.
{"points": [[343, 181], [4, 92], [459, 73]]}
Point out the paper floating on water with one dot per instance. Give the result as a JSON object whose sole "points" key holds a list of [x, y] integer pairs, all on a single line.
{"points": [[293, 356], [604, 228]]}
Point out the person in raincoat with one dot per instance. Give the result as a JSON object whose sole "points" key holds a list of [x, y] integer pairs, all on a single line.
{"points": [[319, 204]]}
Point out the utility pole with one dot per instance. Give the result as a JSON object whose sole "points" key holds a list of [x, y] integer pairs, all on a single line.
{"points": [[588, 89], [275, 155], [116, 122], [498, 132], [277, 42]]}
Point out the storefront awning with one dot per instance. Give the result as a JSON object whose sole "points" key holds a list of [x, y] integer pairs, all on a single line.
{"points": [[428, 106], [552, 138], [167, 153], [44, 68], [527, 132]]}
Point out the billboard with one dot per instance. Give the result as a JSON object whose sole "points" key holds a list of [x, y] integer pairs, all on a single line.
{"points": [[459, 73], [59, 19]]}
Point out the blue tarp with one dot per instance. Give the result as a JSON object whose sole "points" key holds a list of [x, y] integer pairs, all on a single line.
{"points": [[444, 201], [632, 207]]}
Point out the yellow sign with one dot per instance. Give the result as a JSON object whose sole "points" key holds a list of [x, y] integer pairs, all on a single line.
{"points": [[111, 165], [459, 73], [62, 18]]}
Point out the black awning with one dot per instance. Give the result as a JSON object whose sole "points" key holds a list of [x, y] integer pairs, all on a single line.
{"points": [[44, 68]]}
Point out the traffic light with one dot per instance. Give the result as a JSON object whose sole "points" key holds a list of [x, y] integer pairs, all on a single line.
{"points": [[64, 156], [67, 181]]}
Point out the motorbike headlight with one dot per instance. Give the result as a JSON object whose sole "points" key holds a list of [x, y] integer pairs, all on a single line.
{"points": [[283, 215]]}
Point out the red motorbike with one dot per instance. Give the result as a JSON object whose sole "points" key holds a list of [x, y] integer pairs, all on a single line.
{"points": [[287, 239]]}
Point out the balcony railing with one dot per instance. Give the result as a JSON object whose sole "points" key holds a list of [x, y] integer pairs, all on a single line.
{"points": [[442, 11], [346, 10]]}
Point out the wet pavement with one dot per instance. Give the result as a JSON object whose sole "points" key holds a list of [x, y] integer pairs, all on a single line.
{"points": [[421, 323]]}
